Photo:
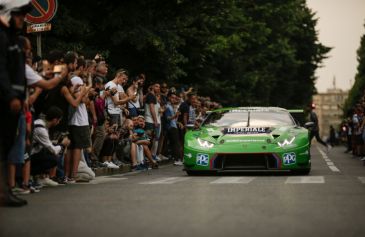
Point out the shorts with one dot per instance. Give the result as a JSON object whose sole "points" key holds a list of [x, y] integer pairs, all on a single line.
{"points": [[80, 137], [152, 131]]}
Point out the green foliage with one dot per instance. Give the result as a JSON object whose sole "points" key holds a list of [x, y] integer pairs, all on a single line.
{"points": [[358, 89], [239, 52]]}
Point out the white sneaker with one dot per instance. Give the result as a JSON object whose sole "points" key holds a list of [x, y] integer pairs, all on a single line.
{"points": [[48, 182], [156, 158], [106, 163], [178, 163], [363, 159], [113, 166], [162, 157]]}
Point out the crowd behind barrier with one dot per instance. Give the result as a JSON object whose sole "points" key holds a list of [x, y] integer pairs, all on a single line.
{"points": [[76, 121]]}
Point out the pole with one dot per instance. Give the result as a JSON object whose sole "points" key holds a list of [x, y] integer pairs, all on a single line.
{"points": [[39, 44]]}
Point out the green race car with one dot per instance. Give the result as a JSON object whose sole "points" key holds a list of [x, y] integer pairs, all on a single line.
{"points": [[247, 139]]}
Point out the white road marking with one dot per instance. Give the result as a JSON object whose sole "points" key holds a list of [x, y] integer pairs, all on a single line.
{"points": [[233, 180], [362, 179], [305, 180], [333, 168], [170, 180], [330, 164]]}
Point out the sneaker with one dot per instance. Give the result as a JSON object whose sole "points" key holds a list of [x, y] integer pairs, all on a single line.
{"points": [[48, 182], [113, 166], [156, 158], [178, 163], [10, 200], [34, 189], [35, 184], [162, 157], [69, 180], [20, 191], [363, 159], [59, 180]]}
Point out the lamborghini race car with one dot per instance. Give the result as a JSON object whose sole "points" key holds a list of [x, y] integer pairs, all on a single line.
{"points": [[247, 139]]}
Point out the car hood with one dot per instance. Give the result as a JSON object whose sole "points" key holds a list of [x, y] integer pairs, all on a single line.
{"points": [[247, 134]]}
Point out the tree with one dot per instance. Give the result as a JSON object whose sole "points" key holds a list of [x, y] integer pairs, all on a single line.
{"points": [[358, 89], [240, 52]]}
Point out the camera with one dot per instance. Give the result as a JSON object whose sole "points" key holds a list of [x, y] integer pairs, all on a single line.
{"points": [[62, 136]]}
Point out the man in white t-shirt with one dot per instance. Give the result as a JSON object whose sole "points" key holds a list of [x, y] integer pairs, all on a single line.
{"points": [[78, 122], [114, 101], [33, 78]]}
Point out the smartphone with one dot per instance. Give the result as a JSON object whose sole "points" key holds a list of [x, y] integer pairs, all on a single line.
{"points": [[59, 68]]}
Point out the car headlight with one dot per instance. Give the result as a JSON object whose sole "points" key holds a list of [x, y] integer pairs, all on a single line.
{"points": [[205, 144], [286, 142]]}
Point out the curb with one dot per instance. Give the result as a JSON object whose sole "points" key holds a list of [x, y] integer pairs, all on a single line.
{"points": [[123, 169]]}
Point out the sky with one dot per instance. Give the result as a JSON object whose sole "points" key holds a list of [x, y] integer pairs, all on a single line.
{"points": [[340, 26]]}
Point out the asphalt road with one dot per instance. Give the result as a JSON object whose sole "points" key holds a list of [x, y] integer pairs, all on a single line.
{"points": [[167, 202]]}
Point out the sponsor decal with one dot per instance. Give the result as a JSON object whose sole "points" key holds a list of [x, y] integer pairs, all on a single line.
{"points": [[246, 140], [202, 159], [289, 158], [249, 110], [246, 130]]}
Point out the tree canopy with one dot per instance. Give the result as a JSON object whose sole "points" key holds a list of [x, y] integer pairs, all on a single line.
{"points": [[358, 89], [239, 52]]}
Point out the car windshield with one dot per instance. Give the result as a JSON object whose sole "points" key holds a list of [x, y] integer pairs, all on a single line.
{"points": [[245, 118]]}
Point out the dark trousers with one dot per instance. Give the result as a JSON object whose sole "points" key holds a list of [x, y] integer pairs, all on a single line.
{"points": [[318, 138], [8, 131], [173, 135], [42, 162]]}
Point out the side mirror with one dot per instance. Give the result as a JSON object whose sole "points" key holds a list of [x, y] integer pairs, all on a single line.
{"points": [[308, 125]]}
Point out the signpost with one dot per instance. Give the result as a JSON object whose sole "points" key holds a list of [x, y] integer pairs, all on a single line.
{"points": [[43, 11]]}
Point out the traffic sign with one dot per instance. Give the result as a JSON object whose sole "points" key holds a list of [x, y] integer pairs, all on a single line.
{"points": [[43, 11]]}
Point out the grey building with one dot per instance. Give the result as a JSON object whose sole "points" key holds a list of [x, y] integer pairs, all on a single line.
{"points": [[329, 109]]}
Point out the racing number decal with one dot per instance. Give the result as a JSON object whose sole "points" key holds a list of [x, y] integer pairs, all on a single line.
{"points": [[202, 159]]}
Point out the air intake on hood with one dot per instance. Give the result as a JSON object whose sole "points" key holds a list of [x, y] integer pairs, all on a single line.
{"points": [[215, 137], [275, 136]]}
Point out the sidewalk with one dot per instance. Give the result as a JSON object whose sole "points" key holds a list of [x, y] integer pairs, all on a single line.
{"points": [[123, 169]]}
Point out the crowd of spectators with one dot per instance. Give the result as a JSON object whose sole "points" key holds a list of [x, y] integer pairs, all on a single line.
{"points": [[353, 131], [70, 119]]}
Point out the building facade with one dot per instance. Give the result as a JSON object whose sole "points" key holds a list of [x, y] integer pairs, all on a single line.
{"points": [[329, 109]]}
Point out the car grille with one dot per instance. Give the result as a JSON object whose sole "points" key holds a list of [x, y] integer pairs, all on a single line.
{"points": [[263, 161]]}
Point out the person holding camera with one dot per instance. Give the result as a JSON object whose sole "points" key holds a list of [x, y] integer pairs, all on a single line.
{"points": [[134, 106], [114, 101], [44, 154]]}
